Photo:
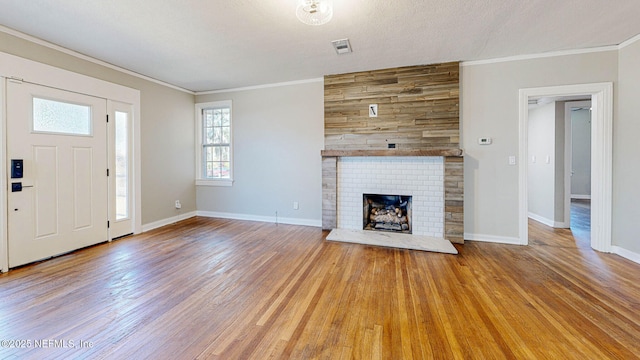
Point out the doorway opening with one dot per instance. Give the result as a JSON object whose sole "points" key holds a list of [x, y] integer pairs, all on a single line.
{"points": [[559, 163], [578, 168], [601, 95]]}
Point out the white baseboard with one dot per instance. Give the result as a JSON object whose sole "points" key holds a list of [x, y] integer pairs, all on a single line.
{"points": [[541, 219], [581, 197], [630, 255], [168, 221], [493, 239], [270, 219]]}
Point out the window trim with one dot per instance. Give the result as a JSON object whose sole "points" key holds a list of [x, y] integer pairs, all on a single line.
{"points": [[200, 179]]}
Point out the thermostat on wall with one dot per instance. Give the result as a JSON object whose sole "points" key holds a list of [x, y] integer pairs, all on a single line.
{"points": [[484, 141]]}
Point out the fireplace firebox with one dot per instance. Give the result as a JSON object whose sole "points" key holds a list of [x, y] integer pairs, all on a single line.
{"points": [[387, 213]]}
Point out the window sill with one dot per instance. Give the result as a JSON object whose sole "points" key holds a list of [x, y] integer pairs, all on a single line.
{"points": [[214, 182]]}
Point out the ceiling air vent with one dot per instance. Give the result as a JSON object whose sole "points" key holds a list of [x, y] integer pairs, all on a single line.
{"points": [[342, 46]]}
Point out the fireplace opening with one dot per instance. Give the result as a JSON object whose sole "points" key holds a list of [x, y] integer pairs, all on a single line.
{"points": [[387, 213]]}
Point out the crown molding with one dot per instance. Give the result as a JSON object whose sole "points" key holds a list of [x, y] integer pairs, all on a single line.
{"points": [[90, 59], [47, 44], [628, 42], [264, 86], [541, 55]]}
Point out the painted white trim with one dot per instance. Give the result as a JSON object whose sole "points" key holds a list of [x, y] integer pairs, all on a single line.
{"points": [[541, 219], [270, 219], [540, 55], [214, 182], [39, 73], [553, 53], [492, 239], [601, 160], [602, 168], [264, 86], [167, 221], [581, 197], [137, 167], [199, 107], [549, 222], [90, 59], [630, 255], [4, 251], [628, 42]]}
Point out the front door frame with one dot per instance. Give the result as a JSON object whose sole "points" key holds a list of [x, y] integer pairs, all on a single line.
{"points": [[601, 159], [14, 68]]}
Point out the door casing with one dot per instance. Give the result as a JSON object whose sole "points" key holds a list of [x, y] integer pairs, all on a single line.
{"points": [[14, 67], [601, 160]]}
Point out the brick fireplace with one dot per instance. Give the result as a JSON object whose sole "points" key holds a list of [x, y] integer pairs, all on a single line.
{"points": [[421, 178], [432, 178], [415, 131]]}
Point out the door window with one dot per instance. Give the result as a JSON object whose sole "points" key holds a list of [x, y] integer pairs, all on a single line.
{"points": [[51, 116]]}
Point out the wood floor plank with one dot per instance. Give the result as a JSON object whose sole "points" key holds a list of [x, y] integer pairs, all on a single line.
{"points": [[226, 289]]}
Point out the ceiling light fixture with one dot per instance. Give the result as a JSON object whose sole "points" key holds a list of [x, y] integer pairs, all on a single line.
{"points": [[314, 12]]}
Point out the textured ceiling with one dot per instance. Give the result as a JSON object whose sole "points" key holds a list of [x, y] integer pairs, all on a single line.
{"points": [[204, 45]]}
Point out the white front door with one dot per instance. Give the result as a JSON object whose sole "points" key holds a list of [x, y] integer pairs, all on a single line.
{"points": [[61, 138]]}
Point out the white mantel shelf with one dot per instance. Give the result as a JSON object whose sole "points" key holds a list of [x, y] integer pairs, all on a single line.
{"points": [[393, 152]]}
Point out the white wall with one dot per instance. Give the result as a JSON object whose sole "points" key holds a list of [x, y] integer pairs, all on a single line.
{"points": [[541, 169], [626, 172], [581, 153], [278, 133], [489, 100]]}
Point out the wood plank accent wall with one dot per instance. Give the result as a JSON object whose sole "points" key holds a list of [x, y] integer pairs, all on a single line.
{"points": [[454, 199], [418, 109]]}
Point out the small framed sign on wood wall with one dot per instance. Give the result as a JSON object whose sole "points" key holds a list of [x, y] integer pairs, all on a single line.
{"points": [[373, 110]]}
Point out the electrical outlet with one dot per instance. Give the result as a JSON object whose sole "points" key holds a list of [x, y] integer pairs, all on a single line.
{"points": [[296, 206], [178, 205]]}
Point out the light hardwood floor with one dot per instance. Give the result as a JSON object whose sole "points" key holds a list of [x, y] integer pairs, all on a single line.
{"points": [[581, 220], [225, 289]]}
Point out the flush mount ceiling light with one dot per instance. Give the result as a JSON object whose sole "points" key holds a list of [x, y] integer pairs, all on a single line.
{"points": [[314, 12]]}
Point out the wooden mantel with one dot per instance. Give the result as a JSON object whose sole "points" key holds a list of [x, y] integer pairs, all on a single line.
{"points": [[393, 152]]}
